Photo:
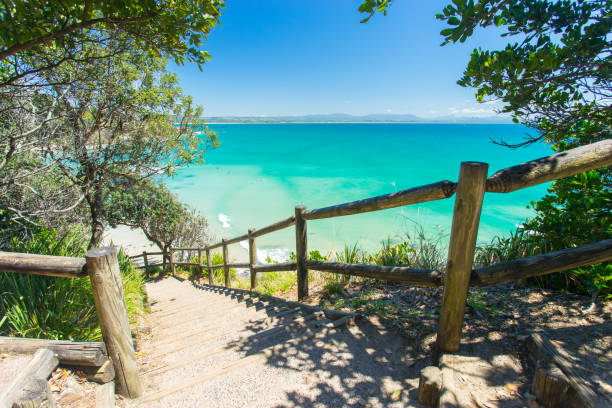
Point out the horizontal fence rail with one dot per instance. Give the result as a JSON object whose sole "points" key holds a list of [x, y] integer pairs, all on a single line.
{"points": [[430, 192], [102, 267], [58, 266], [275, 267], [469, 190], [544, 264], [557, 166], [405, 274]]}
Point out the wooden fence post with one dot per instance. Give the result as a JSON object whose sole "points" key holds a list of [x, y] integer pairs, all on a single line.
{"points": [[171, 259], [300, 251], [146, 264], [226, 268], [103, 270], [466, 216], [252, 258], [200, 269], [209, 264]]}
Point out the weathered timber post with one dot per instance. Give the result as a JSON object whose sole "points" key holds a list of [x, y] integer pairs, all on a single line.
{"points": [[146, 264], [209, 264], [466, 216], [226, 268], [200, 272], [252, 258], [300, 251], [171, 259], [103, 270]]}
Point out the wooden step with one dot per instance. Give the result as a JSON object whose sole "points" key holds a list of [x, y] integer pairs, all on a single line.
{"points": [[200, 331], [246, 361], [222, 349], [296, 322]]}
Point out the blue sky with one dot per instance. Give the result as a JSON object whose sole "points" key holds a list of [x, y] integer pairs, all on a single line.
{"points": [[289, 57]]}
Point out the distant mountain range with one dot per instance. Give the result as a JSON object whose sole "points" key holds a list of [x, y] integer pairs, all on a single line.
{"points": [[346, 118]]}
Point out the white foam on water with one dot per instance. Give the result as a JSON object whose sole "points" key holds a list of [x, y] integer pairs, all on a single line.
{"points": [[224, 220], [275, 254]]}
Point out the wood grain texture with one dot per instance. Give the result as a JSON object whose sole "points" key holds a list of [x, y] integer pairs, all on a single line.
{"points": [[464, 230], [430, 382], [252, 258], [566, 259], [275, 267], [238, 265], [46, 265], [226, 268], [79, 353], [236, 240], [301, 252], [105, 396], [109, 299], [553, 167], [430, 192], [200, 265], [550, 385], [36, 393], [586, 396], [287, 222], [209, 266], [101, 374], [405, 274], [172, 264], [40, 367]]}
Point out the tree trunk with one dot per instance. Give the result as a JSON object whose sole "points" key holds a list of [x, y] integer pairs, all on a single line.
{"points": [[97, 217]]}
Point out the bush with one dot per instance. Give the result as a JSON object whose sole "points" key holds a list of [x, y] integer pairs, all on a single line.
{"points": [[58, 308]]}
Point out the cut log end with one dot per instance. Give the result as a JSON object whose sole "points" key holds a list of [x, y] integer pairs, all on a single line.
{"points": [[429, 386], [35, 394], [550, 385]]}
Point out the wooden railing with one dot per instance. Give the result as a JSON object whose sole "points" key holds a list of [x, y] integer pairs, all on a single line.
{"points": [[469, 189], [102, 267]]}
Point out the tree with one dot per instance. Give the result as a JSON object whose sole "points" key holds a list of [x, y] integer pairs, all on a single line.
{"points": [[556, 78], [40, 35], [154, 209], [124, 119]]}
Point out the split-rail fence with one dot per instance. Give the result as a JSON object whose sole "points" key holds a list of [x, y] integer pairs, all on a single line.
{"points": [[102, 267], [469, 192]]}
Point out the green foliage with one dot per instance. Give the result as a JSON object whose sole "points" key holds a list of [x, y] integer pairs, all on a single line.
{"points": [[519, 244], [334, 288], [153, 208], [392, 254], [417, 250], [556, 79], [193, 272], [372, 6], [271, 283], [164, 28], [576, 211], [315, 255], [58, 308]]}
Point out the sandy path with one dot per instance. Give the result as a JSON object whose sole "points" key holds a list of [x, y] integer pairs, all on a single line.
{"points": [[209, 349]]}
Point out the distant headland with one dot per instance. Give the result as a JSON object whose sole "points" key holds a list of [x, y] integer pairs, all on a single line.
{"points": [[347, 118]]}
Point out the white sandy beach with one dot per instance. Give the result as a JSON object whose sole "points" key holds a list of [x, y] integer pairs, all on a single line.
{"points": [[133, 241]]}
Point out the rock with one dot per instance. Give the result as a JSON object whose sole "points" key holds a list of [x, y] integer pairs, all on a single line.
{"points": [[73, 391]]}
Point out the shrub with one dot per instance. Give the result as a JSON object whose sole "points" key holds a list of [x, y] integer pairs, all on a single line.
{"points": [[58, 308]]}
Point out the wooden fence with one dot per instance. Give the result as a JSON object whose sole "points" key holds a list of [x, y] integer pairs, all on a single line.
{"points": [[102, 267], [469, 192]]}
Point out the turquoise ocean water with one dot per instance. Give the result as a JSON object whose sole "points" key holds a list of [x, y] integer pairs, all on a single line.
{"points": [[260, 172]]}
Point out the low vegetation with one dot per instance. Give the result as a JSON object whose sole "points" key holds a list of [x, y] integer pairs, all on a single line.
{"points": [[59, 308]]}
